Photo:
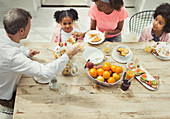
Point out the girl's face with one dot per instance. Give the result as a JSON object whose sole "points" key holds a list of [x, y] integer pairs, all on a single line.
{"points": [[159, 23], [67, 24], [101, 6]]}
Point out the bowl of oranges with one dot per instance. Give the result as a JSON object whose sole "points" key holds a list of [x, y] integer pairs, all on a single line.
{"points": [[107, 74]]}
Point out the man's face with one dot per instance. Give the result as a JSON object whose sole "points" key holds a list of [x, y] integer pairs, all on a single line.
{"points": [[27, 29]]}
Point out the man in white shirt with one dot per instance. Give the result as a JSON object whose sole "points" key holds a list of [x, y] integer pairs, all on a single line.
{"points": [[14, 59]]}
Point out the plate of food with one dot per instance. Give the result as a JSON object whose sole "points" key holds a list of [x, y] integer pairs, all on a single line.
{"points": [[161, 50], [143, 76], [60, 49], [94, 37], [106, 74], [122, 54], [93, 54]]}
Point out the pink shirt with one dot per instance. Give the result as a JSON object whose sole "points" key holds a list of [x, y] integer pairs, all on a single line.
{"points": [[107, 22], [146, 35]]}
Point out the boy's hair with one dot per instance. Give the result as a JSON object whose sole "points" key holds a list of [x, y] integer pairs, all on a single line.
{"points": [[164, 11], [116, 4], [59, 15], [15, 19]]}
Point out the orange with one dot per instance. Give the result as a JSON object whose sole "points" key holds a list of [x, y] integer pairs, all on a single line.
{"points": [[100, 71], [106, 66], [106, 74], [113, 68], [111, 80], [93, 72], [119, 69]]}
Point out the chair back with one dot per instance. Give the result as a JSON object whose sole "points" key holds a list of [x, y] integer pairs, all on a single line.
{"points": [[140, 20]]}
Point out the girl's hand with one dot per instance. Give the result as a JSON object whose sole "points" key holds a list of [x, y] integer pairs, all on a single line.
{"points": [[78, 35], [33, 52], [105, 34]]}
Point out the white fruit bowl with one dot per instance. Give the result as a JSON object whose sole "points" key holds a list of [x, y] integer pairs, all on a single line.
{"points": [[105, 83]]}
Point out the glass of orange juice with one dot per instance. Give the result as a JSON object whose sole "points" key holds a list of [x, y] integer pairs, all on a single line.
{"points": [[130, 74]]}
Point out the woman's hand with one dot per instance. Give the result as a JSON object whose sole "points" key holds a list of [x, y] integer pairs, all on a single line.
{"points": [[105, 34]]}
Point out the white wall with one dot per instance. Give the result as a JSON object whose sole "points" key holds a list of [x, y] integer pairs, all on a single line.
{"points": [[30, 5], [142, 5]]}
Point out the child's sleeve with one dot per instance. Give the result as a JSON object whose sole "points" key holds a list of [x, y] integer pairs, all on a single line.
{"points": [[143, 36], [123, 14], [92, 12], [57, 34]]}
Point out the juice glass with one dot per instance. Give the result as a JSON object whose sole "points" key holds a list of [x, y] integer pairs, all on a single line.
{"points": [[130, 74]]}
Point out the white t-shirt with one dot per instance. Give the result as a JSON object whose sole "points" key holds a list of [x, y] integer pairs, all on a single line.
{"points": [[14, 62], [65, 36]]}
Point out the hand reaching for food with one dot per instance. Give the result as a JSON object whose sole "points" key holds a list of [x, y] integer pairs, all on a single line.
{"points": [[33, 52], [78, 35]]}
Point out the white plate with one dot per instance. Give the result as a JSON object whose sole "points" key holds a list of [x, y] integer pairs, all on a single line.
{"points": [[105, 83], [95, 55], [150, 77], [157, 56], [160, 57], [86, 38], [120, 59], [161, 53], [42, 80], [59, 48]]}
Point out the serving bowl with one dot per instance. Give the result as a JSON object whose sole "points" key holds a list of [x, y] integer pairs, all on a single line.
{"points": [[105, 83]]}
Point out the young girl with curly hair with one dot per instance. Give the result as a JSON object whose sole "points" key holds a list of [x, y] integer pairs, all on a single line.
{"points": [[65, 27], [160, 31]]}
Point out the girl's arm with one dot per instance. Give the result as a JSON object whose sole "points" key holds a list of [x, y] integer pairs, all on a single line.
{"points": [[80, 34], [93, 25], [116, 31]]}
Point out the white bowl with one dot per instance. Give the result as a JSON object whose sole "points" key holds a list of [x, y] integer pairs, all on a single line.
{"points": [[124, 47], [93, 54]]}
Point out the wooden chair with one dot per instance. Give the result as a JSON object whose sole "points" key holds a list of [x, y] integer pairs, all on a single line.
{"points": [[140, 20]]}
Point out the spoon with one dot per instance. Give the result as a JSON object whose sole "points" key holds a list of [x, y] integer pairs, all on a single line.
{"points": [[52, 50]]}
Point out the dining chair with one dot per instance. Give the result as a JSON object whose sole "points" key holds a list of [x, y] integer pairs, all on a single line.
{"points": [[140, 20]]}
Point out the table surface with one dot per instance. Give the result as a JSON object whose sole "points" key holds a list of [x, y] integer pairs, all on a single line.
{"points": [[86, 99]]}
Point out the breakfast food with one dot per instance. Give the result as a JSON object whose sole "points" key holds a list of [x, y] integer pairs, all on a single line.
{"points": [[122, 52], [96, 39], [71, 39], [105, 74], [151, 83], [92, 35], [139, 72], [62, 52]]}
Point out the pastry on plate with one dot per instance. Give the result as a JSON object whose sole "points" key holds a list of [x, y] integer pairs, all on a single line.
{"points": [[93, 35], [96, 39], [71, 39]]}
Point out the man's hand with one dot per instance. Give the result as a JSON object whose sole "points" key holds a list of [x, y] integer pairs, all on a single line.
{"points": [[78, 35], [33, 52], [72, 50]]}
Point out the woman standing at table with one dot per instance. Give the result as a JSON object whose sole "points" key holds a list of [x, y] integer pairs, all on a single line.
{"points": [[160, 31], [108, 17]]}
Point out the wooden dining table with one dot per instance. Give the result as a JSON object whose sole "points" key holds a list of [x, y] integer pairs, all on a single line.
{"points": [[87, 100]]}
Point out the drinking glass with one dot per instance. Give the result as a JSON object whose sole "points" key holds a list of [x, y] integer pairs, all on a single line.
{"points": [[63, 88], [53, 85]]}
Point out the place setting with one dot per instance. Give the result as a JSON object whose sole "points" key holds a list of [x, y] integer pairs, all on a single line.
{"points": [[160, 50]]}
